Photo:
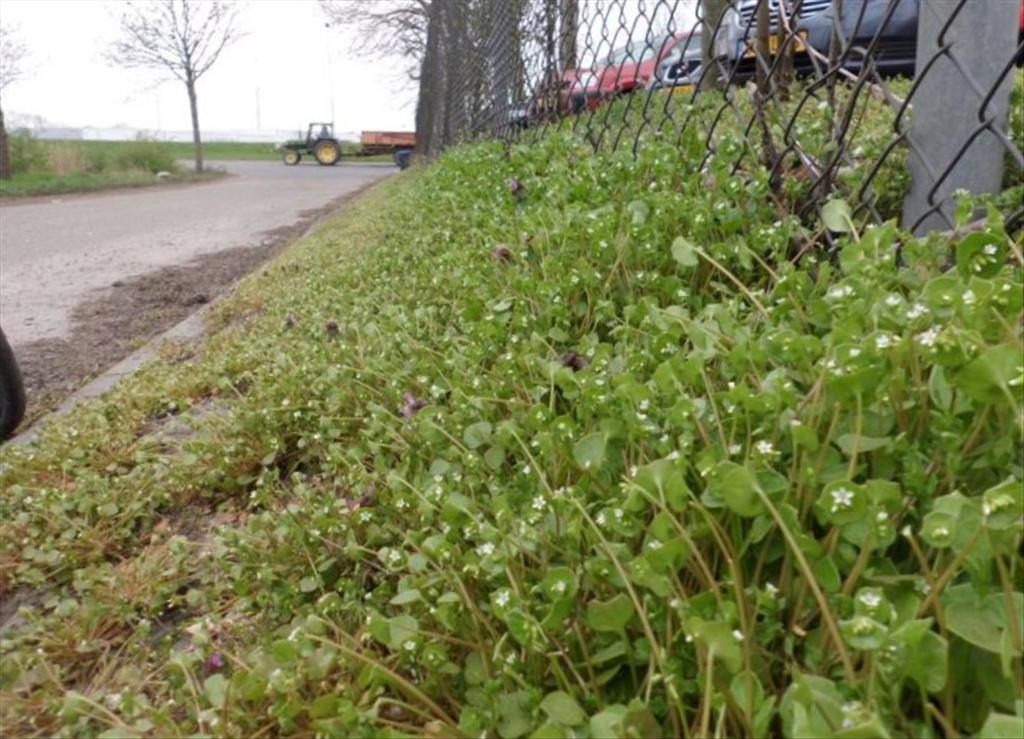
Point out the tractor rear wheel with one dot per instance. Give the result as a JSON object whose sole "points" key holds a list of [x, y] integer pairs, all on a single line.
{"points": [[291, 157], [327, 153]]}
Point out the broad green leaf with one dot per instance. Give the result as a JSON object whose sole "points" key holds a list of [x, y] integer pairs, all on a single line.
{"points": [[324, 706], [549, 730], [1002, 726], [827, 575], [1002, 506], [610, 615], [926, 660], [737, 487], [980, 254], [406, 596], [939, 390], [684, 252], [608, 723], [284, 651], [982, 622], [563, 709], [590, 450], [560, 582], [720, 639], [836, 214], [850, 442], [215, 688], [664, 478], [477, 434], [994, 375], [639, 211], [402, 628], [513, 718]]}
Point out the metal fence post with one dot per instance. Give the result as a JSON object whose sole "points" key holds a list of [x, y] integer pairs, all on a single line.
{"points": [[960, 59]]}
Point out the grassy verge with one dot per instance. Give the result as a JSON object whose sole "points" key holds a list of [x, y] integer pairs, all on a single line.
{"points": [[44, 183], [547, 443], [212, 150]]}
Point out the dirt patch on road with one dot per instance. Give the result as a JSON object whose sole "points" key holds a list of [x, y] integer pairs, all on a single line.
{"points": [[116, 322]]}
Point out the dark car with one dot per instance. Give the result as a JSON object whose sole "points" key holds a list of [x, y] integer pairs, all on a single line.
{"points": [[860, 21], [865, 21]]}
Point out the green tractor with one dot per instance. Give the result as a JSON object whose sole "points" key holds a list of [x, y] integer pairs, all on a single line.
{"points": [[319, 142]]}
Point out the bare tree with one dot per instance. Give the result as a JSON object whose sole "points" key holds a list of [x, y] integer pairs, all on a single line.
{"points": [[384, 27], [182, 38], [12, 68]]}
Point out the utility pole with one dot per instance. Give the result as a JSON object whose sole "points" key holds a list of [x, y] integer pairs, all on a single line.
{"points": [[330, 67]]}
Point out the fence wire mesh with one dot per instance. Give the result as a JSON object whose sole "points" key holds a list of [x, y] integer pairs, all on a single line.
{"points": [[897, 106]]}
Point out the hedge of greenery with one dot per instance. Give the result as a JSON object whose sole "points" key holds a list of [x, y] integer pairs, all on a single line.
{"points": [[533, 442]]}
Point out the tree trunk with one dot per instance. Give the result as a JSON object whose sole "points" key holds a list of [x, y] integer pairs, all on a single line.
{"points": [[713, 10], [194, 107], [763, 60], [5, 154], [570, 28]]}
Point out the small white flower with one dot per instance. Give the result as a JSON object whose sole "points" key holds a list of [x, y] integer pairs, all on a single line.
{"points": [[883, 341], [539, 504], [765, 448], [409, 646], [854, 353], [871, 600], [927, 338], [842, 498], [559, 586], [893, 300], [601, 519], [772, 589], [737, 635], [916, 311], [654, 544], [990, 250], [486, 549], [502, 598], [969, 297], [735, 449], [837, 292]]}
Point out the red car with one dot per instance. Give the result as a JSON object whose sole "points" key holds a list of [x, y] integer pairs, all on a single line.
{"points": [[633, 66]]}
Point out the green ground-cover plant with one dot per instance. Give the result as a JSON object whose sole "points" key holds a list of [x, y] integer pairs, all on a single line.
{"points": [[541, 442], [47, 167]]}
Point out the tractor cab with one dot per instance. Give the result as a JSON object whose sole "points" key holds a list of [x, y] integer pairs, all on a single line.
{"points": [[319, 142], [317, 132]]}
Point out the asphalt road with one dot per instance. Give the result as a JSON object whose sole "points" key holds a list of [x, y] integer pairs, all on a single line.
{"points": [[56, 251]]}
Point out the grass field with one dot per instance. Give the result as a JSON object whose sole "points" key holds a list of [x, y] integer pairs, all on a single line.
{"points": [[29, 184], [229, 150], [65, 166]]}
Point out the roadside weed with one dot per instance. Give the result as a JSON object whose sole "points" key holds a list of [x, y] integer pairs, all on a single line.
{"points": [[611, 454]]}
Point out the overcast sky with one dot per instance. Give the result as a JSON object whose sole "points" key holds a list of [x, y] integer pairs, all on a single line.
{"points": [[289, 62]]}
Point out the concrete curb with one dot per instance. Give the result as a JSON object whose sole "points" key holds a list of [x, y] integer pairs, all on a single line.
{"points": [[190, 329]]}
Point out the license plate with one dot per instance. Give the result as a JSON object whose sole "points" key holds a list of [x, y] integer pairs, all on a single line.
{"points": [[686, 89], [775, 42]]}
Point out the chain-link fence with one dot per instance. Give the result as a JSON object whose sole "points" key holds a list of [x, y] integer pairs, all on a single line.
{"points": [[898, 106]]}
